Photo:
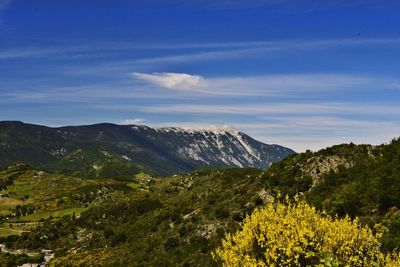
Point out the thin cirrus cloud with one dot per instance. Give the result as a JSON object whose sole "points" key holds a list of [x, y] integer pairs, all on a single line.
{"points": [[204, 51], [301, 126], [268, 85], [276, 109]]}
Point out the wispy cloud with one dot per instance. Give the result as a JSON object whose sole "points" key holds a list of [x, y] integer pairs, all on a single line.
{"points": [[174, 81], [309, 132], [132, 121], [289, 85], [254, 49], [182, 87]]}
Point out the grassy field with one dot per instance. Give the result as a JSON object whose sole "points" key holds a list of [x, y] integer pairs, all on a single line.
{"points": [[7, 231], [4, 212], [46, 215], [22, 189], [16, 228], [7, 204], [30, 222], [135, 185]]}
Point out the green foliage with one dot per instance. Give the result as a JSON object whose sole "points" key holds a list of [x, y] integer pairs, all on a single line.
{"points": [[97, 162], [45, 196], [391, 237], [172, 224], [365, 189], [11, 260], [352, 180]]}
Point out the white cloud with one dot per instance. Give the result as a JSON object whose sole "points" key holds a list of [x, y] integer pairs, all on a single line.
{"points": [[294, 110], [289, 86], [132, 121], [174, 81]]}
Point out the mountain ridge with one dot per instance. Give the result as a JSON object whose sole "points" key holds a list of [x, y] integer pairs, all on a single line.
{"points": [[162, 151]]}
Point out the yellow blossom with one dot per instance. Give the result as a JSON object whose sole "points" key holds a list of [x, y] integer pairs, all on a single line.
{"points": [[295, 234]]}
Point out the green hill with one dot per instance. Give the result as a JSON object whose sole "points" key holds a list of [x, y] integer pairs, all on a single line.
{"points": [[28, 196], [97, 162], [120, 151], [180, 220]]}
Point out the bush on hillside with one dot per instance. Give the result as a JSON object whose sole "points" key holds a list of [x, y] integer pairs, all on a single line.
{"points": [[296, 234]]}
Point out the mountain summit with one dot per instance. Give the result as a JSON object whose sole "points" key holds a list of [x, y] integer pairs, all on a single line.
{"points": [[94, 149], [216, 146]]}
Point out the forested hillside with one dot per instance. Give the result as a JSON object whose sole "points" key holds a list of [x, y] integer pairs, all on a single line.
{"points": [[118, 151], [180, 220]]}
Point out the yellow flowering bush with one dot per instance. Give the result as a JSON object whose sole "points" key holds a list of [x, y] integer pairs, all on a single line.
{"points": [[296, 234]]}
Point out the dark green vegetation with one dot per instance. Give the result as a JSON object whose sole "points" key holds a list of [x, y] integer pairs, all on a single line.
{"points": [[19, 259], [361, 180], [121, 151], [179, 220], [29, 196]]}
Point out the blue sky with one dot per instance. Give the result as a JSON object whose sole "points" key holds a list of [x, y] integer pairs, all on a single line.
{"points": [[304, 74]]}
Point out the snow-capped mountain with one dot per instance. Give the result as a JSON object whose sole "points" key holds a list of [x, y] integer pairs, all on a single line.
{"points": [[222, 146], [95, 148]]}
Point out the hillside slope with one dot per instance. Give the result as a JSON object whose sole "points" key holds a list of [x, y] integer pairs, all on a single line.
{"points": [[28, 195], [180, 220]]}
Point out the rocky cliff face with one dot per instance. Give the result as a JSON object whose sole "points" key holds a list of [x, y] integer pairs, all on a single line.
{"points": [[222, 146]]}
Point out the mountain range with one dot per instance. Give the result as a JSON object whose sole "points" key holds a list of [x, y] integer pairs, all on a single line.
{"points": [[118, 151]]}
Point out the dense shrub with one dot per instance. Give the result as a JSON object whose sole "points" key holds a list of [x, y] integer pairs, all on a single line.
{"points": [[391, 238], [296, 234]]}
